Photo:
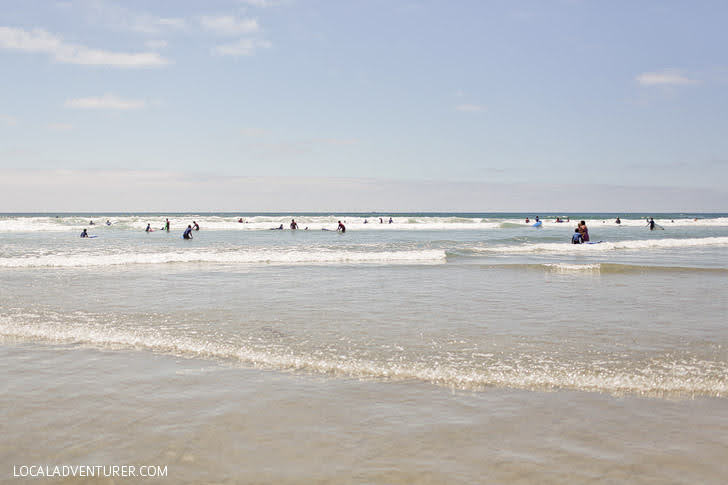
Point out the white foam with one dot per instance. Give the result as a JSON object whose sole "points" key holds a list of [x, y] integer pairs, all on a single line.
{"points": [[567, 247], [321, 256], [657, 377]]}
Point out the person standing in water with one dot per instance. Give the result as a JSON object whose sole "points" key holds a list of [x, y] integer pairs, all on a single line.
{"points": [[341, 228], [294, 226], [651, 223], [576, 238], [149, 228], [584, 231], [84, 233], [618, 221], [195, 226], [188, 233], [166, 225]]}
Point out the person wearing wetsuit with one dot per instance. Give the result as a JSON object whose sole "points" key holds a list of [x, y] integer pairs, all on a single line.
{"points": [[149, 228], [84, 233], [576, 238], [390, 220], [188, 233], [195, 226], [341, 228], [651, 223], [166, 225], [294, 226]]}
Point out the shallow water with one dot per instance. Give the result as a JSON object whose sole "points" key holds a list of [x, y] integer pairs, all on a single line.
{"points": [[472, 316]]}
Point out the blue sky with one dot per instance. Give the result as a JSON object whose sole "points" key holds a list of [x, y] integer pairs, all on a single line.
{"points": [[559, 93]]}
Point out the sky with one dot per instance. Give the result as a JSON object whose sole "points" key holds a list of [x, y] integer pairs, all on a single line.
{"points": [[362, 105]]}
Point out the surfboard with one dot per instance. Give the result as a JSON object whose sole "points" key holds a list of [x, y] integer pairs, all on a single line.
{"points": [[594, 242], [538, 224]]}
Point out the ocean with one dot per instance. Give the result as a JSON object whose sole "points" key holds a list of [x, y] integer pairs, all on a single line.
{"points": [[439, 348]]}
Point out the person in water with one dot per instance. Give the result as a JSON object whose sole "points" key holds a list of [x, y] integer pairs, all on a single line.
{"points": [[651, 223], [294, 225], [365, 221], [84, 233], [166, 225], [108, 222], [240, 220], [279, 228], [576, 238], [584, 231], [195, 226], [528, 220], [618, 221], [91, 223], [390, 220], [381, 221], [149, 228], [341, 228], [188, 233]]}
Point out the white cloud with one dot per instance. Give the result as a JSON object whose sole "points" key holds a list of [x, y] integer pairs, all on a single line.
{"points": [[41, 41], [107, 101], [229, 25], [60, 126], [472, 108], [667, 77], [8, 120], [243, 47], [156, 44]]}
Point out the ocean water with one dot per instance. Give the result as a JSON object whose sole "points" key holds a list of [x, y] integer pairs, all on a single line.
{"points": [[438, 348]]}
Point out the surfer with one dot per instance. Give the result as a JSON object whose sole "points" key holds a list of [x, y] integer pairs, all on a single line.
{"points": [[651, 223], [195, 226], [536, 218], [84, 233], [528, 220], [381, 221], [279, 228], [108, 222], [188, 233], [584, 231], [240, 220], [166, 225], [341, 228], [294, 225], [149, 228], [618, 221], [91, 223], [365, 221], [390, 220], [576, 238]]}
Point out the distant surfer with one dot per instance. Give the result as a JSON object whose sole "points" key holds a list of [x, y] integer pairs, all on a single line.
{"points": [[240, 220], [341, 228], [381, 221], [195, 226], [366, 222], [279, 228], [584, 231], [91, 223], [188, 233], [108, 222], [84, 233], [390, 220], [537, 219], [294, 225], [576, 238], [618, 221], [149, 228], [651, 223], [528, 220], [166, 225]]}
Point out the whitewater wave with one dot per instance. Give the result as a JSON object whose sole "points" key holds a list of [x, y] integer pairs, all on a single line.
{"points": [[604, 246], [658, 377], [604, 268], [319, 256]]}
